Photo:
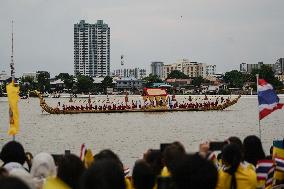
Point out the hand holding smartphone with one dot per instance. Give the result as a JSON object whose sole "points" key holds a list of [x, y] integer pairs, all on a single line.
{"points": [[217, 145]]}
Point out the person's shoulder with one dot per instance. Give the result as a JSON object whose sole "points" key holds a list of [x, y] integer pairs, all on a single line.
{"points": [[247, 165]]}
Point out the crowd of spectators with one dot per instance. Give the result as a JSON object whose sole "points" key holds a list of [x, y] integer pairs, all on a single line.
{"points": [[233, 166]]}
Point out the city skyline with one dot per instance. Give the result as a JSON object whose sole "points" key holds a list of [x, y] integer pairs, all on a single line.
{"points": [[222, 33]]}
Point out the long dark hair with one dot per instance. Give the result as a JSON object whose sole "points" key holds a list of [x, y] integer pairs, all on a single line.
{"points": [[253, 150], [232, 157]]}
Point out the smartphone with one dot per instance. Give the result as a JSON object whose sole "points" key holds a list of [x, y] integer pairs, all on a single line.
{"points": [[217, 145], [163, 146]]}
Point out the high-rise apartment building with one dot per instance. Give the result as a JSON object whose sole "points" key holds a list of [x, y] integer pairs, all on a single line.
{"points": [[243, 67], [279, 66], [157, 69], [92, 49]]}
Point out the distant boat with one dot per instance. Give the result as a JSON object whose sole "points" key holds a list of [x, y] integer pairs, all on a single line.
{"points": [[162, 107]]}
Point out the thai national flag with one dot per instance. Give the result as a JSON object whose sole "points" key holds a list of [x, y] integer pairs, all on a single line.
{"points": [[268, 101], [83, 152], [264, 171], [279, 164]]}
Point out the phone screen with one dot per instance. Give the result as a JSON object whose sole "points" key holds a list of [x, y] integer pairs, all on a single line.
{"points": [[216, 146]]}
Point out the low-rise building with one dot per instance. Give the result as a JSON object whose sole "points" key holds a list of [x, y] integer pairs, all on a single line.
{"points": [[210, 70], [191, 69], [137, 73], [280, 77], [4, 77], [129, 83], [248, 68], [31, 75]]}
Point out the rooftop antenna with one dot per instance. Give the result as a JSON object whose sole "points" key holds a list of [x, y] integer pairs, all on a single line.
{"points": [[12, 56]]}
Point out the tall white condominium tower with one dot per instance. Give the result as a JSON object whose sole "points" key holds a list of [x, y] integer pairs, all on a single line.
{"points": [[92, 49]]}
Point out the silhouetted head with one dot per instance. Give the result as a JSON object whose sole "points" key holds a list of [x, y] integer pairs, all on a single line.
{"points": [[104, 174], [172, 154], [179, 145], [70, 170], [154, 159], [253, 150], [107, 155], [237, 141], [12, 183], [13, 152], [143, 176], [193, 171]]}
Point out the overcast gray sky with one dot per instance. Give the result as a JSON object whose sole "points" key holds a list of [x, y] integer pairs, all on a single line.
{"points": [[221, 32]]}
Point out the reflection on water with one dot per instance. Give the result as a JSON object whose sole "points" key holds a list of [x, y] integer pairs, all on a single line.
{"points": [[130, 134]]}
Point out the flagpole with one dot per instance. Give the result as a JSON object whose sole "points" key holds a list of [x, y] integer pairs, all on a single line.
{"points": [[12, 63], [259, 129]]}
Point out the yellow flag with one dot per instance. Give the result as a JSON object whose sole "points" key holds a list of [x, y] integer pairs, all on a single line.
{"points": [[89, 159], [13, 98], [165, 172]]}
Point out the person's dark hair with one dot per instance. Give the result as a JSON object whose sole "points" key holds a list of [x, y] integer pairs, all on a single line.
{"points": [[154, 159], [231, 156], [104, 174], [179, 145], [29, 158], [107, 155], [193, 171], [143, 176], [70, 170], [253, 150], [12, 183], [13, 151], [233, 140], [171, 155], [237, 141]]}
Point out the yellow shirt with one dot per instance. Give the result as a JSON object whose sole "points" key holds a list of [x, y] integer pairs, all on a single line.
{"points": [[52, 183], [245, 178], [128, 183]]}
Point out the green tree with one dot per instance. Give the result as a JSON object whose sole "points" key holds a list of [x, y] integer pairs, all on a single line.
{"points": [[197, 81], [27, 84], [106, 83], [43, 81], [84, 83], [62, 76], [175, 74], [266, 72], [151, 79], [234, 78], [67, 79]]}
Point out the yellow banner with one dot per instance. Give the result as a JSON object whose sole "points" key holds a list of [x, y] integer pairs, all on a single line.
{"points": [[13, 98]]}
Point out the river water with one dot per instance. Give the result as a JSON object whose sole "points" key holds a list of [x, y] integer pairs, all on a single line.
{"points": [[131, 134]]}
